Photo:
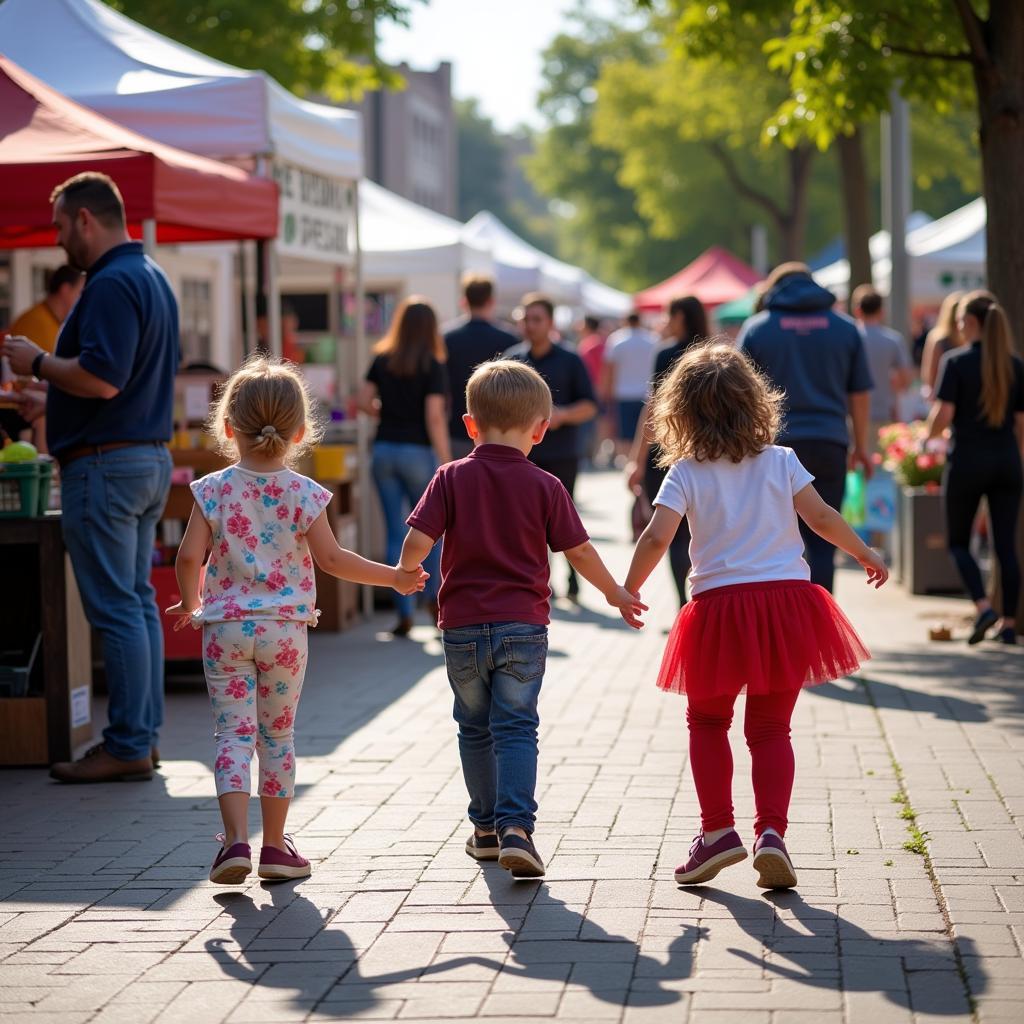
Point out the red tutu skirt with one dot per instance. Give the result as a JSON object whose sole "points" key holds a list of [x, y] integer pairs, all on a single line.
{"points": [[765, 637]]}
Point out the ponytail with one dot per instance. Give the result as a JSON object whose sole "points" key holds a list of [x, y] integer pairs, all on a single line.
{"points": [[996, 355]]}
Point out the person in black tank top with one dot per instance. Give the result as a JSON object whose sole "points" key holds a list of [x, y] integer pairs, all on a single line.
{"points": [[980, 393]]}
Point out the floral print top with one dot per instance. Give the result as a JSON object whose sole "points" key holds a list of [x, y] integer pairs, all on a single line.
{"points": [[260, 565]]}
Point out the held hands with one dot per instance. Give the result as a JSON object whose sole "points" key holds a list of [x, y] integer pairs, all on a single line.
{"points": [[408, 581], [629, 605], [874, 565], [186, 616]]}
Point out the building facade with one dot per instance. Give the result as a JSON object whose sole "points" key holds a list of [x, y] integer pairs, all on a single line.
{"points": [[410, 138]]}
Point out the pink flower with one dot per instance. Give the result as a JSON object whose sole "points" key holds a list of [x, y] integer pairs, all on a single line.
{"points": [[264, 691], [276, 580], [264, 666], [295, 486], [237, 688], [288, 656], [247, 728], [288, 763], [223, 763], [282, 511], [925, 461], [226, 488], [307, 562], [285, 720], [223, 547], [271, 787], [239, 525], [306, 585], [235, 782], [273, 490], [214, 651], [251, 542], [227, 583]]}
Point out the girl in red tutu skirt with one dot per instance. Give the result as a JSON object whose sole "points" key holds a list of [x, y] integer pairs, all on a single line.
{"points": [[756, 622]]}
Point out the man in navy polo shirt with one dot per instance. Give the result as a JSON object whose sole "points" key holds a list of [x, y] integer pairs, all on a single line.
{"points": [[572, 392], [817, 357], [109, 407]]}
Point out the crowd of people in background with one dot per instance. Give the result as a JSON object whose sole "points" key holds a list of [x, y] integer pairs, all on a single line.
{"points": [[846, 375]]}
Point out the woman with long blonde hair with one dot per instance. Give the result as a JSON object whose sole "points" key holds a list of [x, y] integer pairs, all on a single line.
{"points": [[406, 388], [942, 338], [980, 394]]}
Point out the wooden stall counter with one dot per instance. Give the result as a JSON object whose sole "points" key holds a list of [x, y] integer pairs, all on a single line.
{"points": [[53, 719]]}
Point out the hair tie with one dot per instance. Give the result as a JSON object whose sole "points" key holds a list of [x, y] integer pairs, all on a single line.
{"points": [[269, 431]]}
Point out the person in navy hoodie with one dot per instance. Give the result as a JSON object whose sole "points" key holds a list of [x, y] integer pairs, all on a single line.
{"points": [[816, 356]]}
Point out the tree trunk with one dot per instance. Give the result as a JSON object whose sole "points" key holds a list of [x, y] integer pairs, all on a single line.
{"points": [[792, 223], [1000, 85], [853, 178]]}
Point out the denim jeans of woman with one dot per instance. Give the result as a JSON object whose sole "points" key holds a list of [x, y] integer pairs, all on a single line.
{"points": [[111, 505], [495, 671], [401, 473]]}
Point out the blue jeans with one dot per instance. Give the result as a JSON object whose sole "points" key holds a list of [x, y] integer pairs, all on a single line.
{"points": [[111, 505], [401, 473], [495, 671]]}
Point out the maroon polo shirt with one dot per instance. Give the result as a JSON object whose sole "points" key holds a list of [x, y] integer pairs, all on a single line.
{"points": [[498, 514]]}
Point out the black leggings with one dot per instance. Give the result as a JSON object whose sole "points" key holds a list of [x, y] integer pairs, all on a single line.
{"points": [[995, 475], [565, 471], [679, 549]]}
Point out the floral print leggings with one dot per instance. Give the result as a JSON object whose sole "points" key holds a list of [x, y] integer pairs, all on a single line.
{"points": [[254, 671]]}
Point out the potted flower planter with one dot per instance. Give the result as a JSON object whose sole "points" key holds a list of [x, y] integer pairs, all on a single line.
{"points": [[922, 559]]}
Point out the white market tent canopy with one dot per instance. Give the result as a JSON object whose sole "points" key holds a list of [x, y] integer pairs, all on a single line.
{"points": [[945, 254], [400, 239], [171, 93], [520, 267]]}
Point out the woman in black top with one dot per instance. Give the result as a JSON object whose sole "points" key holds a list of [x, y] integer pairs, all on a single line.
{"points": [[406, 388], [981, 394], [687, 323]]}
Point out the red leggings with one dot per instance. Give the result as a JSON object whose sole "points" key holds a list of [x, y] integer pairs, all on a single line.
{"points": [[766, 727]]}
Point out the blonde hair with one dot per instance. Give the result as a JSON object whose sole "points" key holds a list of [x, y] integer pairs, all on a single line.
{"points": [[507, 395], [266, 400], [996, 353], [713, 404], [945, 323]]}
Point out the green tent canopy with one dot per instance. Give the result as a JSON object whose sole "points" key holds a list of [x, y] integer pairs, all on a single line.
{"points": [[738, 310]]}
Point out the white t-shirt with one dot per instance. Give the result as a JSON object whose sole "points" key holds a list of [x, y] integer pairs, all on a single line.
{"points": [[631, 351], [743, 524]]}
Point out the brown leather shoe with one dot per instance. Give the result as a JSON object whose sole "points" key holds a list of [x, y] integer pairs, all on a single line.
{"points": [[100, 766], [154, 756]]}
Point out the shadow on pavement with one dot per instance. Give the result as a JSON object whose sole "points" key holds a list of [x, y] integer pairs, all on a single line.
{"points": [[565, 948], [867, 963], [867, 692]]}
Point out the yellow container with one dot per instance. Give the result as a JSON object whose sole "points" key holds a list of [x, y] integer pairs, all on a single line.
{"points": [[334, 462]]}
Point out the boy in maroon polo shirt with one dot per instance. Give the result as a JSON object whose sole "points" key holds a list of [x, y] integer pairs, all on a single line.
{"points": [[499, 515]]}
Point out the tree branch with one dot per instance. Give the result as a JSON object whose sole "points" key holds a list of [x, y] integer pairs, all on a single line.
{"points": [[747, 191], [972, 30], [965, 56]]}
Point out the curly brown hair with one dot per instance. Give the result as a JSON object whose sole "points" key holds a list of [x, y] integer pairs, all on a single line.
{"points": [[714, 404]]}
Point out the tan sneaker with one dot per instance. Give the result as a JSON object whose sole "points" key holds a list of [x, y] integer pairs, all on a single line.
{"points": [[99, 765]]}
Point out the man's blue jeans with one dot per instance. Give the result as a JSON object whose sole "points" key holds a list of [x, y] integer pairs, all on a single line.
{"points": [[111, 504], [401, 473], [496, 671]]}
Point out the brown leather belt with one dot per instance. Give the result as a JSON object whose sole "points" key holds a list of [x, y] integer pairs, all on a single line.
{"points": [[65, 458]]}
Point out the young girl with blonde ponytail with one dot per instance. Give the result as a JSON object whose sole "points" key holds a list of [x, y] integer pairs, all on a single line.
{"points": [[981, 395], [264, 526]]}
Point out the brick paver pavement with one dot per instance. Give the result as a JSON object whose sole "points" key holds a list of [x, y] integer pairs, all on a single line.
{"points": [[106, 915]]}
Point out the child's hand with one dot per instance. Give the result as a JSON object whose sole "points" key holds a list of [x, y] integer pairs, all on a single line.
{"points": [[186, 616], [408, 581], [874, 565], [629, 606]]}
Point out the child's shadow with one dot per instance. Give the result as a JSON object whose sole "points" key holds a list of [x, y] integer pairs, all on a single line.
{"points": [[309, 977], [880, 965], [574, 949]]}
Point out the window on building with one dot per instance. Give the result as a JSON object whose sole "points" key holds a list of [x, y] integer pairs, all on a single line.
{"points": [[196, 313]]}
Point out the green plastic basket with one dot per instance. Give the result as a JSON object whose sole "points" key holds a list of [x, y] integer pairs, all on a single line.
{"points": [[45, 465], [19, 489]]}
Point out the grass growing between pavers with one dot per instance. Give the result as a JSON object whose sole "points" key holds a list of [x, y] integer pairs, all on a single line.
{"points": [[918, 843]]}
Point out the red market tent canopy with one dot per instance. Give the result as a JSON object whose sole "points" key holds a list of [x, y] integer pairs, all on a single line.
{"points": [[716, 276], [45, 138]]}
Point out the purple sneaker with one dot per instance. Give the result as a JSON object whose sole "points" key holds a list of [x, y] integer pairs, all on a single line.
{"points": [[275, 863], [775, 869], [232, 864], [705, 862]]}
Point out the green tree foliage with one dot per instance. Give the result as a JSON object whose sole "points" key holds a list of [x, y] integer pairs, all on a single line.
{"points": [[597, 222], [309, 46], [491, 176]]}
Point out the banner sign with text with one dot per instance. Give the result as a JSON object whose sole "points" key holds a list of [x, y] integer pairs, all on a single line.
{"points": [[317, 215]]}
